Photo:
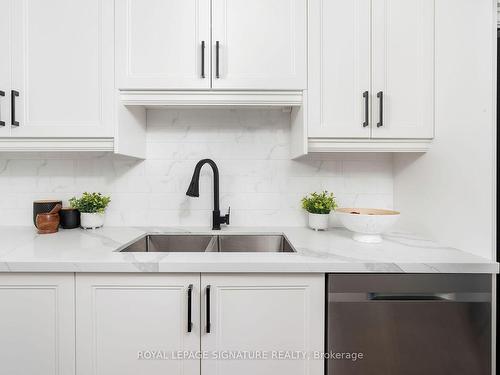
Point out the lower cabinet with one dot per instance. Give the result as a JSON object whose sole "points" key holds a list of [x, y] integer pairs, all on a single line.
{"points": [[125, 322], [37, 324], [277, 316], [192, 324], [175, 324]]}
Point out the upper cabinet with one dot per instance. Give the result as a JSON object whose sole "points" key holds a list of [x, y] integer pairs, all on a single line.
{"points": [[163, 44], [218, 44], [5, 67], [339, 68], [78, 75], [62, 68], [371, 75], [259, 44], [57, 89], [403, 68]]}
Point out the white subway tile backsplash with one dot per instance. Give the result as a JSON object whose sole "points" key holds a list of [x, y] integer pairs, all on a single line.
{"points": [[251, 147]]}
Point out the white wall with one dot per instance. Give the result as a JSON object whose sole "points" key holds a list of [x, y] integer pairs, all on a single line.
{"points": [[258, 179], [449, 193]]}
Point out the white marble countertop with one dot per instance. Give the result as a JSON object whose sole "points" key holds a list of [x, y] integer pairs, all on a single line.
{"points": [[23, 250]]}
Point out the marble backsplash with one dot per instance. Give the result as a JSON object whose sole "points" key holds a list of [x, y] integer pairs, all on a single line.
{"points": [[251, 147]]}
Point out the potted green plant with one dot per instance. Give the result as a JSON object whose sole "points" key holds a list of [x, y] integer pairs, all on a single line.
{"points": [[92, 207], [319, 206]]}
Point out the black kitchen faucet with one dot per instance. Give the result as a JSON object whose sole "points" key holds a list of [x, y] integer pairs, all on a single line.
{"points": [[194, 191]]}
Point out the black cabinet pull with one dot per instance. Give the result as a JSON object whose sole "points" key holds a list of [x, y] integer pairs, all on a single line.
{"points": [[207, 295], [202, 59], [217, 48], [365, 96], [380, 96], [13, 95], [2, 93], [190, 296]]}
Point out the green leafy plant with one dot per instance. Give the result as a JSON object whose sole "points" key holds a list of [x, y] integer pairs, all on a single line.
{"points": [[90, 203], [319, 203]]}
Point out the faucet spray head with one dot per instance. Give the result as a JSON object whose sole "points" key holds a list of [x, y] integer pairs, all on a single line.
{"points": [[194, 186]]}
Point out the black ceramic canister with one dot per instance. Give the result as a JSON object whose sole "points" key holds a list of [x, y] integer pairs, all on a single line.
{"points": [[70, 218]]}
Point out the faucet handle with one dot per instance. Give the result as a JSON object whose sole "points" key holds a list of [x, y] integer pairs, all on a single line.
{"points": [[226, 216]]}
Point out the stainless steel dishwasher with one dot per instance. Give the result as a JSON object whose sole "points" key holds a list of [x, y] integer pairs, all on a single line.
{"points": [[395, 324]]}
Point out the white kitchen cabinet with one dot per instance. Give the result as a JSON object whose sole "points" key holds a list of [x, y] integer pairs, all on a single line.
{"points": [[57, 80], [371, 75], [163, 44], [62, 68], [339, 77], [403, 68], [257, 45], [5, 67], [261, 44], [121, 316], [264, 313], [37, 324]]}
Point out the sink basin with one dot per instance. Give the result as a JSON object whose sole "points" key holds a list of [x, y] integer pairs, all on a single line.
{"points": [[173, 243], [255, 243], [189, 243]]}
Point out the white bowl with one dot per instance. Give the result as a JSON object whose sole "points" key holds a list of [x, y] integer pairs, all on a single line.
{"points": [[367, 223]]}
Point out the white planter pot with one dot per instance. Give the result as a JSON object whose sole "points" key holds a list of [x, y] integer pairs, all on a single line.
{"points": [[318, 221], [91, 220]]}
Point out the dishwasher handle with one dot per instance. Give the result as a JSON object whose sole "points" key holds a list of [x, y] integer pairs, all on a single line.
{"points": [[405, 297], [416, 297]]}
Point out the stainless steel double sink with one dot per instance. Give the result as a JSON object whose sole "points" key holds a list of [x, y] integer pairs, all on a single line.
{"points": [[224, 243]]}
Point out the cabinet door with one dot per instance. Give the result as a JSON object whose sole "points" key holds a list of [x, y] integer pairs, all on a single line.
{"points": [[339, 69], [5, 69], [123, 319], [63, 68], [266, 314], [37, 324], [262, 44], [403, 68], [159, 44]]}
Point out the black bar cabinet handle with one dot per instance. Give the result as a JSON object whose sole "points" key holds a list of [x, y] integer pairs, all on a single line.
{"points": [[217, 48], [202, 59], [2, 93], [365, 96], [207, 294], [190, 296], [380, 96], [13, 95]]}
